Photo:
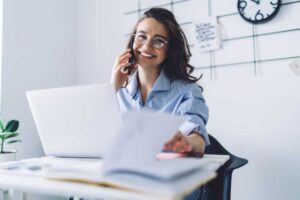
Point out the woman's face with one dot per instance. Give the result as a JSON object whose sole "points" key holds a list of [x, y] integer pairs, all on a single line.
{"points": [[150, 43]]}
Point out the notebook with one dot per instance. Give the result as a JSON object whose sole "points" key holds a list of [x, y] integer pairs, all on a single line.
{"points": [[77, 121]]}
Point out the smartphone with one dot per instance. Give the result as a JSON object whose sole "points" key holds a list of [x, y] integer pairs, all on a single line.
{"points": [[131, 60]]}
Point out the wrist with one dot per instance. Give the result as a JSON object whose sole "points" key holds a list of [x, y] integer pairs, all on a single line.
{"points": [[197, 142]]}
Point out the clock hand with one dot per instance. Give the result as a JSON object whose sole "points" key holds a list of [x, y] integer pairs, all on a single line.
{"points": [[256, 1]]}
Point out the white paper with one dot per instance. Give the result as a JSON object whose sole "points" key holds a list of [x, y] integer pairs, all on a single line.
{"points": [[295, 66], [141, 138], [208, 34]]}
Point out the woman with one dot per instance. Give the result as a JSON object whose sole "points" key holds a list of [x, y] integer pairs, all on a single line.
{"points": [[161, 78]]}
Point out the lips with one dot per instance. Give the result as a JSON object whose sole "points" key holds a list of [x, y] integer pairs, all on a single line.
{"points": [[146, 54]]}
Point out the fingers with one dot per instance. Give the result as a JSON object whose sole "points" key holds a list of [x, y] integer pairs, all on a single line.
{"points": [[169, 144], [121, 62], [125, 68], [124, 56], [125, 52], [182, 147], [176, 137], [120, 69], [178, 144]]}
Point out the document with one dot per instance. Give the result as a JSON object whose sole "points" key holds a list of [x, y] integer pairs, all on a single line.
{"points": [[141, 138], [208, 34]]}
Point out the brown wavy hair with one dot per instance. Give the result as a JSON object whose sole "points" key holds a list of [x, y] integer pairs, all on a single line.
{"points": [[176, 64]]}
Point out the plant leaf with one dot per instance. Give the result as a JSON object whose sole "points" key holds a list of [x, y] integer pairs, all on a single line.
{"points": [[3, 135], [7, 135], [13, 141], [1, 125], [12, 126]]}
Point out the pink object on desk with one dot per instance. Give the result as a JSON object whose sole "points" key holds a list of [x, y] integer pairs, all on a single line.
{"points": [[169, 155]]}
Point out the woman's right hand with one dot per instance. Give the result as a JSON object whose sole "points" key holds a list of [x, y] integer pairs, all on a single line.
{"points": [[119, 72]]}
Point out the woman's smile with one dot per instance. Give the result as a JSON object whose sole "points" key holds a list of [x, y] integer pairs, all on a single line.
{"points": [[146, 55]]}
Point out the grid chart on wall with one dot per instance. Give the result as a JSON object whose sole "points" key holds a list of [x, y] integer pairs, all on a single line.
{"points": [[243, 43]]}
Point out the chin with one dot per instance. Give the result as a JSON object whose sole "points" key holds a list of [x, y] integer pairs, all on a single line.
{"points": [[148, 65]]}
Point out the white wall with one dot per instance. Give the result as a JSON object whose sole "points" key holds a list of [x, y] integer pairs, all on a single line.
{"points": [[1, 31], [255, 117], [38, 52], [97, 39]]}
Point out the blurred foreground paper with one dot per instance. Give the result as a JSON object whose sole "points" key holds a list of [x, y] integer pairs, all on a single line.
{"points": [[141, 138]]}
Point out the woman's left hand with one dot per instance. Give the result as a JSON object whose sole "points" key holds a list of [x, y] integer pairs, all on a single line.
{"points": [[193, 143], [179, 144]]}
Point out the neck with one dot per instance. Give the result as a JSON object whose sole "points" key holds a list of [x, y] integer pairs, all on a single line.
{"points": [[147, 78]]}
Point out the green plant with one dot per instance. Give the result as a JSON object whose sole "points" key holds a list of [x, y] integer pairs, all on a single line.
{"points": [[8, 131]]}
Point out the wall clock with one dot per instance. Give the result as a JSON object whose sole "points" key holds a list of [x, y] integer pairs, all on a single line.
{"points": [[258, 11]]}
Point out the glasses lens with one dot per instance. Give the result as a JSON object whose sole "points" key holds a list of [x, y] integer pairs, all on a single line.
{"points": [[140, 38], [158, 42]]}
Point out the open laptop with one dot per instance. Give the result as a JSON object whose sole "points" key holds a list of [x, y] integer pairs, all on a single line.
{"points": [[78, 121]]}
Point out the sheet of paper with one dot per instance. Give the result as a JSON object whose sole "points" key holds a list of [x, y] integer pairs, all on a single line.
{"points": [[208, 34], [141, 138]]}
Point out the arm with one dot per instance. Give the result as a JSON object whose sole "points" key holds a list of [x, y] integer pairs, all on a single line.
{"points": [[193, 136]]}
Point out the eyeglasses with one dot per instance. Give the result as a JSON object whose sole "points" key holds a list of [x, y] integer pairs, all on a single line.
{"points": [[157, 42]]}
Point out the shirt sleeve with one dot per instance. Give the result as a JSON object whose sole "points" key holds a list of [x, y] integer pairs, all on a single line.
{"points": [[194, 107]]}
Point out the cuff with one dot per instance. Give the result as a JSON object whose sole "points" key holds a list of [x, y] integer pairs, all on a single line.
{"points": [[187, 127]]}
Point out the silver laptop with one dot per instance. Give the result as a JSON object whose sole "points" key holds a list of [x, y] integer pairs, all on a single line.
{"points": [[78, 121]]}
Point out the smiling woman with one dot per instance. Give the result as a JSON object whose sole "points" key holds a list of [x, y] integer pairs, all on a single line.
{"points": [[157, 59]]}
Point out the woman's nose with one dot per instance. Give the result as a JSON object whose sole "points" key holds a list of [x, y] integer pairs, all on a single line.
{"points": [[148, 44]]}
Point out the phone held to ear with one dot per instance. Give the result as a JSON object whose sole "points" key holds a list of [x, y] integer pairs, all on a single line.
{"points": [[131, 61]]}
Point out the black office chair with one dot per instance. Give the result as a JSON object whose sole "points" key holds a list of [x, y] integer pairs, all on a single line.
{"points": [[220, 187]]}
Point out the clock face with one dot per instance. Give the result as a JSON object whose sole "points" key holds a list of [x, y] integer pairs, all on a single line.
{"points": [[258, 11]]}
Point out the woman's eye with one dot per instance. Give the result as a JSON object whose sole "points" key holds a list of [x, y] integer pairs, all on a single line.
{"points": [[142, 37], [158, 41]]}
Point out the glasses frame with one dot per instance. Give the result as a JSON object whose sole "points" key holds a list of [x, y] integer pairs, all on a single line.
{"points": [[165, 42]]}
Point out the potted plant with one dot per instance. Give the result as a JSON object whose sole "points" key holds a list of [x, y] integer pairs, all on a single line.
{"points": [[7, 136]]}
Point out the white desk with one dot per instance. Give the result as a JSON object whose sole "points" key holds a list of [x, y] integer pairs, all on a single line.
{"points": [[40, 185]]}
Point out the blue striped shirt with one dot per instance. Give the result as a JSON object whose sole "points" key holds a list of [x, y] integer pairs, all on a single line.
{"points": [[177, 97]]}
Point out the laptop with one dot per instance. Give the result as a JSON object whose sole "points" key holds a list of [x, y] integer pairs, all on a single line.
{"points": [[77, 121]]}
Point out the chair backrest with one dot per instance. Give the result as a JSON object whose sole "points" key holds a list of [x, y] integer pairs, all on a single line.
{"points": [[220, 188]]}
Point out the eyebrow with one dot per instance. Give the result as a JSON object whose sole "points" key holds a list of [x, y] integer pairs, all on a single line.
{"points": [[156, 35]]}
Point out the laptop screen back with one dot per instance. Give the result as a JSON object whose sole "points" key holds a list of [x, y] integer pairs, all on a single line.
{"points": [[77, 121]]}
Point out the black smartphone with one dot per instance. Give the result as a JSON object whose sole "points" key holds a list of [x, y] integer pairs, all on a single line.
{"points": [[131, 59]]}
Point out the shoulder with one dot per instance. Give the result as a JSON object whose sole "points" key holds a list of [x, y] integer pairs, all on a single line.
{"points": [[186, 87]]}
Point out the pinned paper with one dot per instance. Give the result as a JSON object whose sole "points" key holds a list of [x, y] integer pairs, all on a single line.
{"points": [[208, 34], [295, 66]]}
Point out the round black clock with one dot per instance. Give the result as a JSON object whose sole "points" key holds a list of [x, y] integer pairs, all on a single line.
{"points": [[258, 11]]}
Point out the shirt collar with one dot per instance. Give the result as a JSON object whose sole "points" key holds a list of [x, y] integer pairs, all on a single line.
{"points": [[132, 86], [162, 83]]}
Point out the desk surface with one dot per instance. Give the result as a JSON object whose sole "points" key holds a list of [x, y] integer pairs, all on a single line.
{"points": [[41, 185]]}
